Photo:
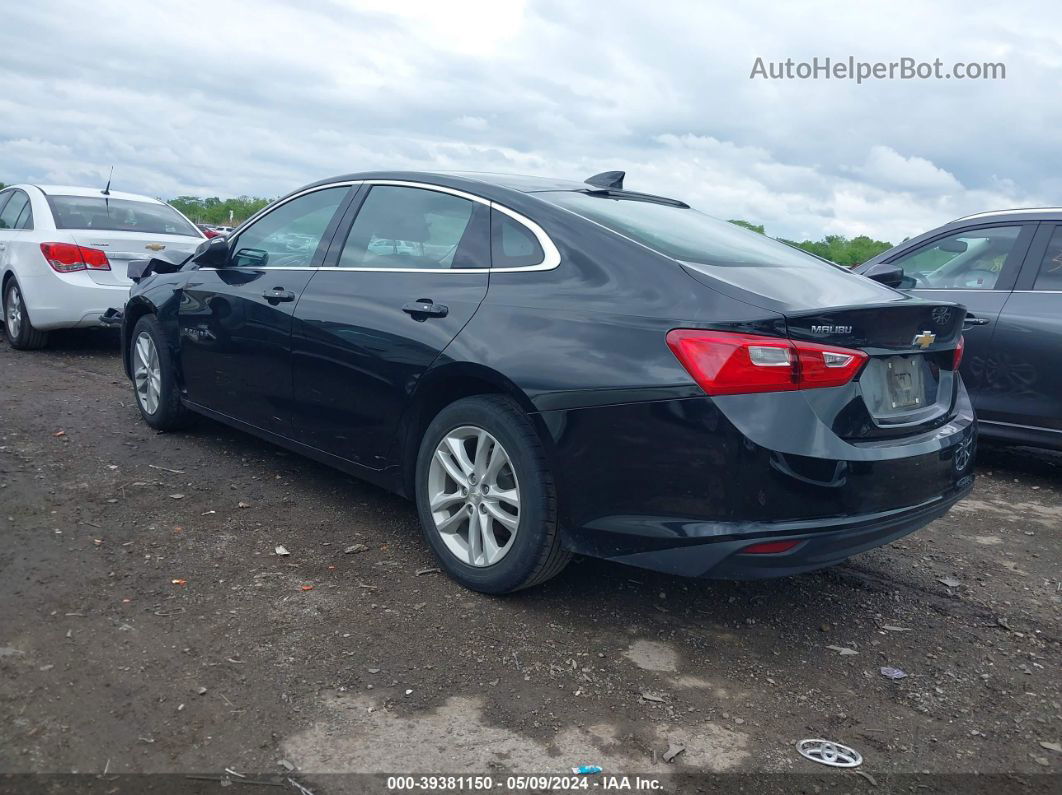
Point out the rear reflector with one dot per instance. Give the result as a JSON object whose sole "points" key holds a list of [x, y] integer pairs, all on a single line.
{"points": [[67, 257], [769, 548], [959, 348], [727, 363]]}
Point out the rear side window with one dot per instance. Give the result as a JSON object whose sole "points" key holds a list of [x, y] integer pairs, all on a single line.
{"points": [[1050, 275], [118, 215], [682, 232], [16, 211], [415, 228], [513, 245]]}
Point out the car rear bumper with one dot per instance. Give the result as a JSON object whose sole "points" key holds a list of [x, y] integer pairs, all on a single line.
{"points": [[70, 300], [675, 486], [819, 544]]}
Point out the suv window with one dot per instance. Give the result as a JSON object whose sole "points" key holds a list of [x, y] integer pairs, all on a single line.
{"points": [[1050, 275], [400, 227], [970, 260], [289, 235], [513, 245], [10, 215]]}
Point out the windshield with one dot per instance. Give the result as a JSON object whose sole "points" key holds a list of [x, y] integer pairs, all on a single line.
{"points": [[683, 233], [118, 215]]}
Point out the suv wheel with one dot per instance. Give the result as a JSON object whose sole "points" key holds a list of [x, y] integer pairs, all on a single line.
{"points": [[486, 498], [20, 332], [154, 377]]}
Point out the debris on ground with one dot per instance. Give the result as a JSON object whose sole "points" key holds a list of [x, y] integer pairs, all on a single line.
{"points": [[843, 650], [893, 673], [828, 752], [654, 698], [894, 628], [673, 750], [281, 550], [586, 770], [1056, 747], [242, 504], [432, 570], [951, 582], [284, 763], [179, 581], [307, 587], [176, 496], [353, 549]]}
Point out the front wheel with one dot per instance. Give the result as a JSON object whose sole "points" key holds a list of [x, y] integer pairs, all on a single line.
{"points": [[155, 378], [21, 335], [486, 498]]}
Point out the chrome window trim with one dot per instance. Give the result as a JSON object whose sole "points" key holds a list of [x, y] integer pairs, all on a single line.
{"points": [[551, 255]]}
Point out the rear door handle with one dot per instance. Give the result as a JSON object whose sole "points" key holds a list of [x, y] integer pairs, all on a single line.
{"points": [[424, 308], [973, 320], [278, 294]]}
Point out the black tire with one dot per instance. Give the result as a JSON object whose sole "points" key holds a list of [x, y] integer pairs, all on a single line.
{"points": [[536, 553], [169, 414], [27, 338]]}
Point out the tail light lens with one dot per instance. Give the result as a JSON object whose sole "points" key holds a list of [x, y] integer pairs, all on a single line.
{"points": [[725, 363], [960, 347], [68, 257]]}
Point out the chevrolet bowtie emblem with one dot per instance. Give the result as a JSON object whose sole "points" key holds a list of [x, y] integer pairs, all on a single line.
{"points": [[155, 246], [924, 340]]}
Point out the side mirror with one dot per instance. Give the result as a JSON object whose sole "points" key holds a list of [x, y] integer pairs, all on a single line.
{"points": [[212, 253], [890, 275]]}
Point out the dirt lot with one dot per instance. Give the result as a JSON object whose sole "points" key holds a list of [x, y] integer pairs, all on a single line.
{"points": [[147, 624]]}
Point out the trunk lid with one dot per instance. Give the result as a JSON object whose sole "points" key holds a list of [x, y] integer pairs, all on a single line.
{"points": [[909, 383], [122, 247]]}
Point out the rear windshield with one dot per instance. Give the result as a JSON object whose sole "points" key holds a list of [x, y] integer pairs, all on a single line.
{"points": [[118, 215], [683, 233]]}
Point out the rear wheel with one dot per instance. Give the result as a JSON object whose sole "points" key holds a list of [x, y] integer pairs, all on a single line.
{"points": [[155, 378], [486, 498], [21, 334]]}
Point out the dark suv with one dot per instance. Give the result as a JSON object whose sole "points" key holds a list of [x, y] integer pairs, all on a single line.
{"points": [[553, 367], [1006, 268]]}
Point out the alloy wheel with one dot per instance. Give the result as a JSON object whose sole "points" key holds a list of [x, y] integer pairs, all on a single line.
{"points": [[474, 496], [147, 373], [14, 312]]}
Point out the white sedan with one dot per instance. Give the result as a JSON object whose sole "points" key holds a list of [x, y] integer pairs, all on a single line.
{"points": [[64, 253]]}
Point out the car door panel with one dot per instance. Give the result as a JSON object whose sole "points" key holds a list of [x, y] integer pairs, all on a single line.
{"points": [[1025, 372], [983, 305], [367, 328], [235, 321]]}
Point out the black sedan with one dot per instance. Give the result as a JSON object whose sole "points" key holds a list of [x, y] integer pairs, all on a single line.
{"points": [[551, 367], [1006, 268]]}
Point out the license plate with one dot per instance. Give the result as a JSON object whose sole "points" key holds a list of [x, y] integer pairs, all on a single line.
{"points": [[903, 382]]}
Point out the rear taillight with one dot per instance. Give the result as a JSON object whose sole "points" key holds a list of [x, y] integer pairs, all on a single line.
{"points": [[726, 363], [68, 257], [960, 346]]}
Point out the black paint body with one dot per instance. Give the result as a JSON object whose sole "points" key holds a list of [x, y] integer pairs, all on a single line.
{"points": [[649, 469]]}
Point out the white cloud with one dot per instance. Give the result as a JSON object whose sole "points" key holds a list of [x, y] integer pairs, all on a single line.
{"points": [[259, 97]]}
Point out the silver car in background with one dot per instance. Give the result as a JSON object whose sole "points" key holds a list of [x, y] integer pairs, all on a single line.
{"points": [[64, 252]]}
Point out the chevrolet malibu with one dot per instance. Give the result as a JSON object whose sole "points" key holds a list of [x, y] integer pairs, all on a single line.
{"points": [[551, 368]]}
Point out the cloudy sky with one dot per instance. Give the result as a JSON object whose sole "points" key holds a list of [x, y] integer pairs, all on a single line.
{"points": [[227, 98]]}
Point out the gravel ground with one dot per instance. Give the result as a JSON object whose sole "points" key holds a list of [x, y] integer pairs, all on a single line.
{"points": [[148, 625]]}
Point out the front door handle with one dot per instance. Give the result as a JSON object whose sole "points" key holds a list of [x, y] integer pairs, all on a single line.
{"points": [[973, 320], [278, 294], [424, 308]]}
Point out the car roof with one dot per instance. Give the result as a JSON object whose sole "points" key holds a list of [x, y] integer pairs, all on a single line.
{"points": [[1016, 214], [71, 190]]}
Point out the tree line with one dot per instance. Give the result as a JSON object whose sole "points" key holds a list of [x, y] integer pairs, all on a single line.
{"points": [[836, 248], [218, 212]]}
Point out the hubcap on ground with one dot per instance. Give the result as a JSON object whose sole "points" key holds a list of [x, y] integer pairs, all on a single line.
{"points": [[14, 312], [147, 373], [474, 496]]}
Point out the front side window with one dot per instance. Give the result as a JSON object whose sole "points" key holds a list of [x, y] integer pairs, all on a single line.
{"points": [[16, 210], [399, 227], [100, 213], [288, 236], [970, 260], [1050, 275]]}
